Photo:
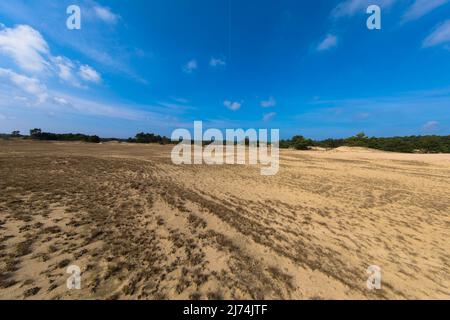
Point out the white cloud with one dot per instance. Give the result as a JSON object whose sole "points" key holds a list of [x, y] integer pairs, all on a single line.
{"points": [[31, 53], [440, 35], [26, 47], [329, 42], [352, 7], [430, 126], [61, 101], [217, 62], [421, 8], [106, 14], [89, 74], [24, 83], [64, 69], [349, 8], [66, 103], [20, 98], [111, 109], [269, 116], [31, 86], [190, 67], [362, 115], [232, 105], [95, 47], [269, 103]]}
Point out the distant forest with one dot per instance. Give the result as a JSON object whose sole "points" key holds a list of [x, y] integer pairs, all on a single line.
{"points": [[410, 144], [38, 134]]}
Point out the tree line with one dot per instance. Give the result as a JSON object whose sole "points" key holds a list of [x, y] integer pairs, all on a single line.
{"points": [[38, 134], [408, 144], [149, 138]]}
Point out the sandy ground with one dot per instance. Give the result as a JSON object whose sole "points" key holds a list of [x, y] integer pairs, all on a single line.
{"points": [[140, 227]]}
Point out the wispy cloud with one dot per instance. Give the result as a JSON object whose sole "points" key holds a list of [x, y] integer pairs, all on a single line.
{"points": [[329, 42], [234, 106], [180, 100], [271, 102], [351, 7], [32, 87], [190, 66], [398, 114], [217, 62], [89, 74], [269, 116], [74, 104], [64, 68], [362, 115], [171, 107], [106, 14], [58, 102], [61, 101], [422, 7], [430, 126], [440, 35]]}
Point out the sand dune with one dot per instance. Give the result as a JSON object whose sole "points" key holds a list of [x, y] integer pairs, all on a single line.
{"points": [[140, 227]]}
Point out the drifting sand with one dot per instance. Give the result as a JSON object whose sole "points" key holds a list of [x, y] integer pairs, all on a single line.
{"points": [[140, 227]]}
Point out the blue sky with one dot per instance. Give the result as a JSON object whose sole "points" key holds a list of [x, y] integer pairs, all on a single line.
{"points": [[305, 67]]}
